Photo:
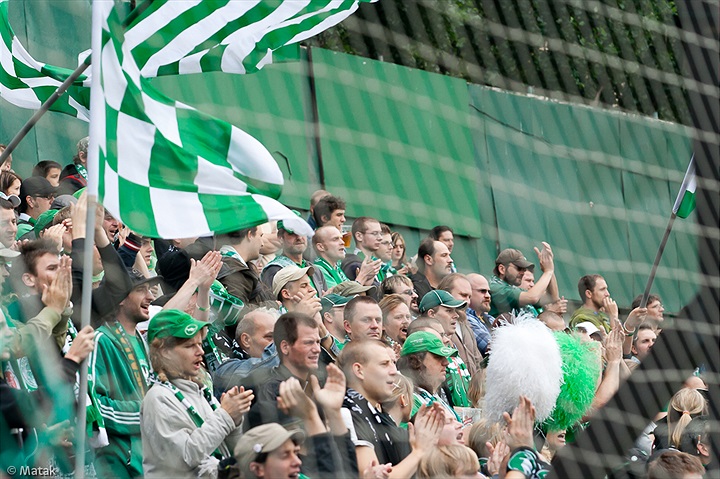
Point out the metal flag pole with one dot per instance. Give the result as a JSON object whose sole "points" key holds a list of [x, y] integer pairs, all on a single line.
{"points": [[43, 109], [653, 271], [96, 104]]}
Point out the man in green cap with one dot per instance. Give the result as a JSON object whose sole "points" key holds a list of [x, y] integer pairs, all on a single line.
{"points": [[183, 426], [293, 247], [441, 305], [423, 359], [333, 313]]}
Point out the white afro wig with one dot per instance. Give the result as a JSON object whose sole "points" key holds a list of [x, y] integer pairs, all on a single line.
{"points": [[524, 360]]}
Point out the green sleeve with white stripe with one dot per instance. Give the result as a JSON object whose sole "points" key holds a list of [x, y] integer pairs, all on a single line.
{"points": [[118, 397]]}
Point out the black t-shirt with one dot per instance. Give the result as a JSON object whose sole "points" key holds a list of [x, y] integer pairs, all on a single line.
{"points": [[391, 443]]}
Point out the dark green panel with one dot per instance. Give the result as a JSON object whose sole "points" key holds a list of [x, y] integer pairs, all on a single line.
{"points": [[396, 142], [271, 105]]}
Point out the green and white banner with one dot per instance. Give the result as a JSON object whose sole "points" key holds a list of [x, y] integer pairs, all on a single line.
{"points": [[27, 83], [165, 169]]}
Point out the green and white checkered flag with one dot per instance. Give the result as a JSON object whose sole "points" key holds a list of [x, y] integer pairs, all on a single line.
{"points": [[27, 83], [165, 169], [170, 37]]}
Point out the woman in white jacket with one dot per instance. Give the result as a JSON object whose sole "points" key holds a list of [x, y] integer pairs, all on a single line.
{"points": [[185, 430]]}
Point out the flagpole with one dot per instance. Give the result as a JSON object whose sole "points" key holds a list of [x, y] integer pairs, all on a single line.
{"points": [[96, 125], [43, 109], [653, 271]]}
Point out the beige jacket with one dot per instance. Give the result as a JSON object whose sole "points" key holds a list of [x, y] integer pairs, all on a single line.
{"points": [[172, 445]]}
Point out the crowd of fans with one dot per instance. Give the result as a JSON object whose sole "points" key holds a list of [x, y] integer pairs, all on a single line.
{"points": [[261, 353]]}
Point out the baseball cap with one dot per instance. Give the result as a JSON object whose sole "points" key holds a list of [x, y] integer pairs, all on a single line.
{"points": [[175, 323], [9, 253], [36, 186], [515, 257], [287, 224], [589, 327], [262, 439], [331, 300], [439, 297], [420, 341], [11, 198], [62, 201], [44, 221], [289, 273], [352, 288], [138, 279]]}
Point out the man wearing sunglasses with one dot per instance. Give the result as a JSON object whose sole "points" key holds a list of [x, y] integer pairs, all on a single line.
{"points": [[478, 310]]}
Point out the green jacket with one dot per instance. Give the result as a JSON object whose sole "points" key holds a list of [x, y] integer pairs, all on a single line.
{"points": [[119, 395]]}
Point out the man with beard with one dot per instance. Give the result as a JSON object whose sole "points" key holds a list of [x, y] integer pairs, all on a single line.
{"points": [[510, 266], [119, 368], [478, 311], [434, 263], [464, 338], [598, 307], [293, 247]]}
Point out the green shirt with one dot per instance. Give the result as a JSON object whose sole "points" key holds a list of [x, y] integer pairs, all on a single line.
{"points": [[333, 274], [598, 318], [506, 298]]}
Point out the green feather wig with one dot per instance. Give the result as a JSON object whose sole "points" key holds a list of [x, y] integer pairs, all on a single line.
{"points": [[581, 370]]}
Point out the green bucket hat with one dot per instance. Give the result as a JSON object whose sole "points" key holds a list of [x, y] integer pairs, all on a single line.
{"points": [[173, 322], [421, 341], [44, 221], [281, 225], [439, 297]]}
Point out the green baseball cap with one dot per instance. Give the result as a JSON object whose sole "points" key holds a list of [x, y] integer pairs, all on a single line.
{"points": [[44, 221], [332, 300], [421, 341], [173, 322], [439, 297]]}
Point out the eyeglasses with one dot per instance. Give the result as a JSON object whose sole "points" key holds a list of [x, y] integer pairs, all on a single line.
{"points": [[47, 197], [385, 243], [407, 292]]}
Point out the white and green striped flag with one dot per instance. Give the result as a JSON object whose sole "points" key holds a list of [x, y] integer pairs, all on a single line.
{"points": [[27, 83], [170, 37], [685, 201], [165, 169]]}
